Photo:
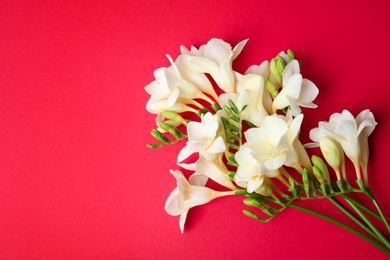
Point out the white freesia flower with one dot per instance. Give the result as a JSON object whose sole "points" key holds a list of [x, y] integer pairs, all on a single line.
{"points": [[251, 171], [197, 78], [162, 97], [171, 91], [214, 170], [352, 134], [252, 93], [186, 196], [215, 58], [203, 137], [296, 91], [275, 141]]}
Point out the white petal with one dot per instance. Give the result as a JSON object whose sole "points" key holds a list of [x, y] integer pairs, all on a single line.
{"points": [[294, 107], [172, 98], [308, 93], [293, 86], [254, 185], [238, 48], [347, 129], [291, 69], [210, 170], [198, 179], [182, 220], [295, 126], [202, 64], [275, 162], [185, 152], [315, 134], [218, 146], [172, 205], [187, 166]]}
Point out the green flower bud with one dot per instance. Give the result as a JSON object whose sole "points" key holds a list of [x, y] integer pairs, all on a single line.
{"points": [[290, 54], [271, 88], [174, 116], [274, 71], [318, 174], [280, 64], [252, 202], [306, 178], [166, 127], [318, 162], [307, 181], [160, 137], [251, 214], [293, 187], [320, 177]]}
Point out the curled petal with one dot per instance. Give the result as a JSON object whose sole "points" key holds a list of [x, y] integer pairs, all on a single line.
{"points": [[290, 70]]}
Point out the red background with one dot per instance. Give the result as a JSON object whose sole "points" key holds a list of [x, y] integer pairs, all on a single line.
{"points": [[76, 180]]}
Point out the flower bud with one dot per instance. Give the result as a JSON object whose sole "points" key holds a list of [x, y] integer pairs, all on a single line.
{"points": [[174, 116], [271, 88], [280, 64], [265, 190], [251, 214], [252, 202], [307, 181], [318, 162], [160, 137], [320, 177], [274, 71], [290, 54], [293, 187], [306, 178], [331, 152], [318, 174]]}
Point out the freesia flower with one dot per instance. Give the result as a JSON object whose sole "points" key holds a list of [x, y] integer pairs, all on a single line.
{"points": [[214, 170], [186, 196], [203, 137], [197, 78], [352, 134], [251, 171], [296, 90], [250, 92], [215, 58], [170, 91], [273, 142]]}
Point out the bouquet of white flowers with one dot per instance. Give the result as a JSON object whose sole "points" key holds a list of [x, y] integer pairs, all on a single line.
{"points": [[244, 132]]}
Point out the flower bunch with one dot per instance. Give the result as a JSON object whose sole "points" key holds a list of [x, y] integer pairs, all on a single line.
{"points": [[242, 132]]}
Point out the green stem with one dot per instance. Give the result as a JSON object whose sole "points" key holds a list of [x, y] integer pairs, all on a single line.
{"points": [[360, 205], [370, 224], [351, 216], [384, 219], [334, 221]]}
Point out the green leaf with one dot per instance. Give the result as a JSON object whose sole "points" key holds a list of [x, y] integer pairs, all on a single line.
{"points": [[234, 129], [228, 111], [234, 137], [233, 106], [235, 119], [160, 137], [154, 145]]}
